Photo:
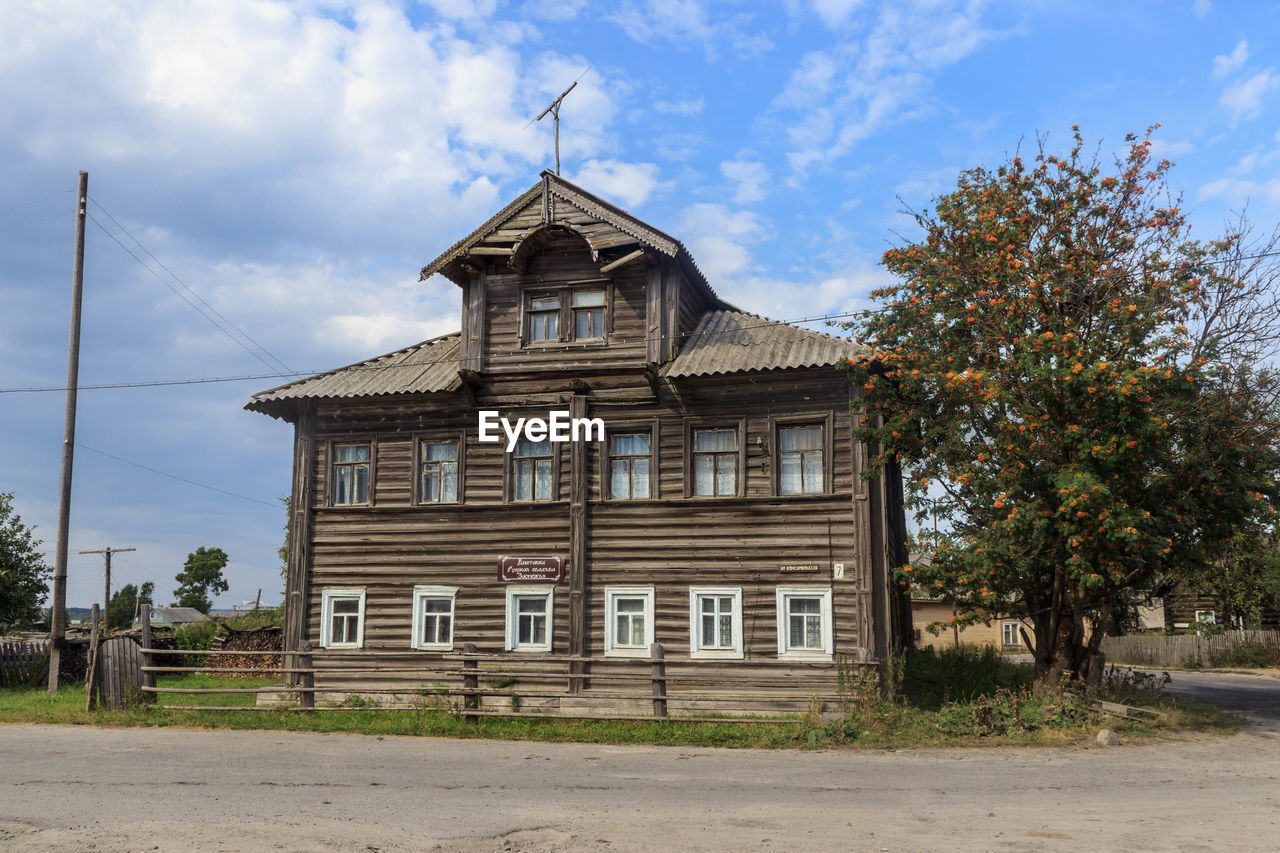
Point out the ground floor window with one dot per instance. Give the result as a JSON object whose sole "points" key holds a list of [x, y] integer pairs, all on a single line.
{"points": [[804, 622], [342, 619], [715, 622], [1010, 635], [433, 616], [529, 618], [628, 625]]}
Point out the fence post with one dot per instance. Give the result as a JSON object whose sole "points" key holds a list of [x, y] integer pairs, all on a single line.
{"points": [[306, 699], [148, 660], [470, 681], [658, 672], [91, 671]]}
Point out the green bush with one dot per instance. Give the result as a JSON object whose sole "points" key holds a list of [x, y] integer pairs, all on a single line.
{"points": [[1250, 654], [934, 678]]}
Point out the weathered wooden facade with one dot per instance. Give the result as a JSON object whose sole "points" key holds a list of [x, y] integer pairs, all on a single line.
{"points": [[722, 514]]}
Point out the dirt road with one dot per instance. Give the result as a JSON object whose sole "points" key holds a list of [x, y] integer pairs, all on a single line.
{"points": [[66, 788]]}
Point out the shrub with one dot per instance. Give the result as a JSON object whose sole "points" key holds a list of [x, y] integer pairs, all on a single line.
{"points": [[933, 678], [1249, 653]]}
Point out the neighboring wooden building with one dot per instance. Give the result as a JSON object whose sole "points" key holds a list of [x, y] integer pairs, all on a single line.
{"points": [[722, 514], [1001, 632]]}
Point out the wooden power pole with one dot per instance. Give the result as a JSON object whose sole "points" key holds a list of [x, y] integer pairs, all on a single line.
{"points": [[58, 610], [106, 588]]}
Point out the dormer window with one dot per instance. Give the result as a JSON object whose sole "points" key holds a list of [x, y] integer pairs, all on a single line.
{"points": [[544, 318], [565, 315], [588, 314]]}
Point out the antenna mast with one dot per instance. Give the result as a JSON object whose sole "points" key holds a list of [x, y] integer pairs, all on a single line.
{"points": [[554, 109]]}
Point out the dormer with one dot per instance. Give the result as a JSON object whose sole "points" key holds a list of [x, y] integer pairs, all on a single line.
{"points": [[560, 280]]}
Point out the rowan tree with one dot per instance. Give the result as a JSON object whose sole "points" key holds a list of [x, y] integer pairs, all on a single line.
{"points": [[1082, 380], [24, 574], [201, 578]]}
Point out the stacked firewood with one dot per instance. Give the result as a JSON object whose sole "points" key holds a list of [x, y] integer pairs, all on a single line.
{"points": [[269, 639]]}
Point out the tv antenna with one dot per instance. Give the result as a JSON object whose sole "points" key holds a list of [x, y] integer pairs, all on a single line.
{"points": [[554, 109]]}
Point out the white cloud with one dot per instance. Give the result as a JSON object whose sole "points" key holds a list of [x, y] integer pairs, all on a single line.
{"points": [[750, 176], [1201, 8], [1244, 99], [1230, 62], [718, 238], [1238, 192], [690, 23], [555, 10], [631, 184], [836, 13], [1166, 149]]}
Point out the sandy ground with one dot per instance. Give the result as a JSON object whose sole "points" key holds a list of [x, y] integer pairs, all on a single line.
{"points": [[65, 788]]}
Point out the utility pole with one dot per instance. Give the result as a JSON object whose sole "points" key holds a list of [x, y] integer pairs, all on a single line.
{"points": [[58, 610], [106, 588]]}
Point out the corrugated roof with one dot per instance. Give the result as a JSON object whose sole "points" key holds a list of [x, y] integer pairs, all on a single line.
{"points": [[422, 368], [734, 341]]}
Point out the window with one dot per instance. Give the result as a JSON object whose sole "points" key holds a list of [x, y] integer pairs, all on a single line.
{"points": [[630, 466], [438, 481], [804, 623], [715, 622], [532, 471], [351, 474], [342, 618], [800, 462], [544, 318], [529, 618], [628, 626], [1206, 617], [1009, 633], [433, 616], [588, 314], [715, 462]]}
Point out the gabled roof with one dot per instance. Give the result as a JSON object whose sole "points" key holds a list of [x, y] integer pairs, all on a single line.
{"points": [[420, 369], [735, 341], [501, 235], [176, 615]]}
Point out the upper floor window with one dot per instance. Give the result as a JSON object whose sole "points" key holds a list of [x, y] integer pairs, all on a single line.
{"points": [[544, 318], [630, 466], [715, 462], [800, 466], [588, 314], [531, 470], [565, 315], [351, 463], [439, 472]]}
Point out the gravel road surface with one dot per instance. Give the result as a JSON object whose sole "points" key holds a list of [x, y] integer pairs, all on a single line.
{"points": [[70, 788]]}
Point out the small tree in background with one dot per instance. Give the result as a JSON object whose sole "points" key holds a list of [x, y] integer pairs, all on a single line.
{"points": [[125, 601], [201, 579], [24, 575], [1085, 384]]}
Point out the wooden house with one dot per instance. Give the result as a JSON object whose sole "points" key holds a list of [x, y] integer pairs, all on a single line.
{"points": [[712, 503]]}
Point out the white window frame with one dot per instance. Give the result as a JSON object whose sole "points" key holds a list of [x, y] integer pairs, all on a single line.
{"points": [[425, 591], [823, 594], [1206, 617], [695, 623], [1017, 634], [611, 596], [514, 593], [327, 598]]}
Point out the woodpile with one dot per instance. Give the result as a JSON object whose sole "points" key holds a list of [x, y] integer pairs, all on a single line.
{"points": [[268, 639]]}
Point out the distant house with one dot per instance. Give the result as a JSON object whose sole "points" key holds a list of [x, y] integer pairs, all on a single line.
{"points": [[1002, 632], [172, 617]]}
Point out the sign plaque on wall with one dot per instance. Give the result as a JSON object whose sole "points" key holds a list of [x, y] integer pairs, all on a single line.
{"points": [[530, 569], [806, 568]]}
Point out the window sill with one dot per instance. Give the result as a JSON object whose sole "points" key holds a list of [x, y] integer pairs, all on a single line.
{"points": [[806, 656], [716, 654], [434, 647], [598, 343], [343, 647], [627, 653]]}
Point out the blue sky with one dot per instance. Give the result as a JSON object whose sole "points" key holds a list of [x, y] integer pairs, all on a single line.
{"points": [[295, 164]]}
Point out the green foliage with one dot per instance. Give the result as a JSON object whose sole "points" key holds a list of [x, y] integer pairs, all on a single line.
{"points": [[1246, 579], [1248, 654], [283, 551], [201, 578], [24, 575], [1082, 380], [125, 600], [962, 673]]}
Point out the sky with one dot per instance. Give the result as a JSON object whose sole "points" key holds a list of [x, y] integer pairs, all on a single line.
{"points": [[288, 167]]}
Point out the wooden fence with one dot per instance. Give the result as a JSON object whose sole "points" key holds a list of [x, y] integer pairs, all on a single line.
{"points": [[1179, 650], [21, 662]]}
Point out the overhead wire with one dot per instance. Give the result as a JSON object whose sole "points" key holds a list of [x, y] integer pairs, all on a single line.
{"points": [[172, 476], [35, 201]]}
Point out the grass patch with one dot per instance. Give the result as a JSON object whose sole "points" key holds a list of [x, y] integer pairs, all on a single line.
{"points": [[964, 697]]}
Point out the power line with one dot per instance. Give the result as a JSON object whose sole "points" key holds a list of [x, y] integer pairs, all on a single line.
{"points": [[188, 288], [172, 476], [180, 295], [34, 221], [35, 201]]}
